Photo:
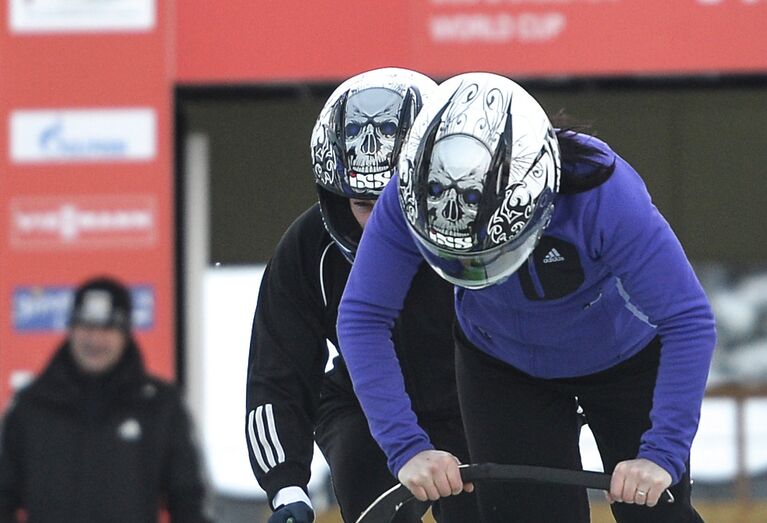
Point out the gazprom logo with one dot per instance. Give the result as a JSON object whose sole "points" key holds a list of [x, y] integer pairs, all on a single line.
{"points": [[53, 141], [83, 135], [39, 309]]}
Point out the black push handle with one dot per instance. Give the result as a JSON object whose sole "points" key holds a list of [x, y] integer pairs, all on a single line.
{"points": [[578, 478], [383, 509]]}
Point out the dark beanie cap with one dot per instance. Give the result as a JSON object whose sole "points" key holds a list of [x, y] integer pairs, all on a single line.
{"points": [[102, 302]]}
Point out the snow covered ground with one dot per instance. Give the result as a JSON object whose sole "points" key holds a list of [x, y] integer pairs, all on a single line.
{"points": [[229, 301]]}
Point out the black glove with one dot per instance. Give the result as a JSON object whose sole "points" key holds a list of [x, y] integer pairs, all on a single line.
{"points": [[297, 512]]}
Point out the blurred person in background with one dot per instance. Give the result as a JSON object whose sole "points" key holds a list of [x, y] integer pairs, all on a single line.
{"points": [[291, 400], [95, 438], [570, 286]]}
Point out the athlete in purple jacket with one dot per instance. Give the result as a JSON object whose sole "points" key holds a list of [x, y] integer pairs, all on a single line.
{"points": [[570, 286]]}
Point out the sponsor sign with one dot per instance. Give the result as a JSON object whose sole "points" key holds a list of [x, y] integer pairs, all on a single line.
{"points": [[86, 178], [589, 37], [83, 135], [46, 309], [87, 221], [520, 38], [55, 16]]}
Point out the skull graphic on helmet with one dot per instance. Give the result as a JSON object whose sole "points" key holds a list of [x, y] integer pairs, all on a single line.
{"points": [[456, 176], [370, 128]]}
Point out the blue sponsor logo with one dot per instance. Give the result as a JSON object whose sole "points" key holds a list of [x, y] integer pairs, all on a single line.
{"points": [[53, 140], [46, 309], [143, 307], [38, 309]]}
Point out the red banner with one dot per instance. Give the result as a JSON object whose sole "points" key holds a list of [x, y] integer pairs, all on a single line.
{"points": [[592, 37], [86, 183], [266, 41], [262, 41]]}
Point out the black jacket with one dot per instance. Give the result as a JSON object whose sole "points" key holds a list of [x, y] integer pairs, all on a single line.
{"points": [[109, 450], [296, 313]]}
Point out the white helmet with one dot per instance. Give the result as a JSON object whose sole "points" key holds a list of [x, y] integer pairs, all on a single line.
{"points": [[356, 142], [478, 175]]}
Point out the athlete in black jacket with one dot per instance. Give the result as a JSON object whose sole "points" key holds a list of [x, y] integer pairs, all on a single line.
{"points": [[290, 397], [95, 438]]}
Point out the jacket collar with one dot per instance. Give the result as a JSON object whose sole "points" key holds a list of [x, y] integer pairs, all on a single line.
{"points": [[62, 382]]}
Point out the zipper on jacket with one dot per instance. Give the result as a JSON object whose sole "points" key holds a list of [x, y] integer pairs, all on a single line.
{"points": [[534, 277], [592, 302]]}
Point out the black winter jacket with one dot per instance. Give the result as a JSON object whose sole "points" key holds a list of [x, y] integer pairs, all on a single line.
{"points": [[295, 317], [108, 450]]}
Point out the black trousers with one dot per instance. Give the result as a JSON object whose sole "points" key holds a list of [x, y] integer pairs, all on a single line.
{"points": [[358, 465], [514, 418]]}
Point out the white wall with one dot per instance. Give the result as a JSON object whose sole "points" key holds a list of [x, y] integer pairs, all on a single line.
{"points": [[229, 300]]}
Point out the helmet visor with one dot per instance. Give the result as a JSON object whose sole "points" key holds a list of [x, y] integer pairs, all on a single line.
{"points": [[477, 270]]}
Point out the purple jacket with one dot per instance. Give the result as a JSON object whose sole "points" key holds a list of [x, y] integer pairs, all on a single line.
{"points": [[607, 277]]}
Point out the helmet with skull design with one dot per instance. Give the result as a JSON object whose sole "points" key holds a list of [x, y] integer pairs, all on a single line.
{"points": [[478, 176], [356, 142]]}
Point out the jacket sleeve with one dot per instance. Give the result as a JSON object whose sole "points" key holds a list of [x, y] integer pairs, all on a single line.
{"points": [[286, 364], [10, 468], [383, 270], [660, 287], [186, 491]]}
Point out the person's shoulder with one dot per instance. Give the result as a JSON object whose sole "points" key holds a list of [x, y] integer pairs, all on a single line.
{"points": [[590, 163], [623, 180], [305, 237], [21, 399], [620, 203], [152, 388], [44, 386], [25, 402], [308, 223], [587, 162], [159, 399]]}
